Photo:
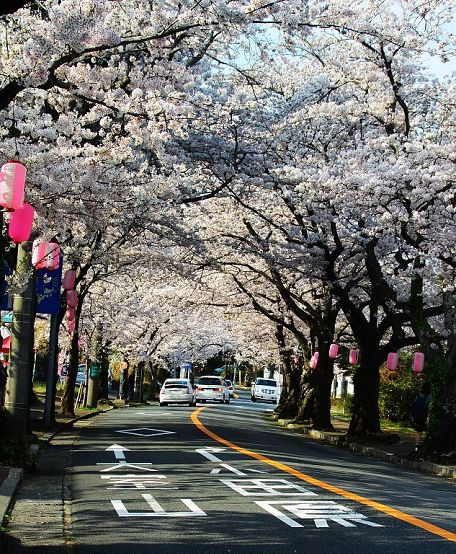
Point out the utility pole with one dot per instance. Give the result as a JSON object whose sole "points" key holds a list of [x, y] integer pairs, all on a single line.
{"points": [[51, 376], [18, 390]]}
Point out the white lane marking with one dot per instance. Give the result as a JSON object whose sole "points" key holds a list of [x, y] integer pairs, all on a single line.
{"points": [[149, 432], [206, 452], [119, 451], [229, 468], [319, 511], [266, 487], [151, 412], [157, 509], [122, 464]]}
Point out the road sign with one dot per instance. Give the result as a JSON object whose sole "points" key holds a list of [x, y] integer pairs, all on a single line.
{"points": [[94, 372]]}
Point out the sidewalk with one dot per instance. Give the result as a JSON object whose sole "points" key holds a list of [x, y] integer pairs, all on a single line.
{"points": [[10, 477], [399, 452]]}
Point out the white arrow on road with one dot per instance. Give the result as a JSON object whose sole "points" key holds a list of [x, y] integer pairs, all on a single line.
{"points": [[119, 451]]}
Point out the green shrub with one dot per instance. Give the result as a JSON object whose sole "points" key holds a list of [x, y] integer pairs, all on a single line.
{"points": [[397, 391], [343, 405]]}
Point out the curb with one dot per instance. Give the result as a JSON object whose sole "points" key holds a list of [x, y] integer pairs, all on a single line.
{"points": [[16, 474], [369, 451], [8, 489]]}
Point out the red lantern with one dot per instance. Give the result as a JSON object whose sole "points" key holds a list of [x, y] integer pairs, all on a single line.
{"points": [[69, 279], [12, 184], [393, 360], [353, 357], [72, 298], [418, 362], [333, 351], [20, 224]]}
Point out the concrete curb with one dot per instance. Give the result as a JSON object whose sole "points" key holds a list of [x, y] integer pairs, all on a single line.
{"points": [[421, 465], [8, 488]]}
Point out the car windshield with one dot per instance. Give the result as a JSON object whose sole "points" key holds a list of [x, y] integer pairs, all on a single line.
{"points": [[267, 382], [209, 381]]}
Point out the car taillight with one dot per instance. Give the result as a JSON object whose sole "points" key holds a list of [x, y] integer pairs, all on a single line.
{"points": [[217, 390], [199, 388]]}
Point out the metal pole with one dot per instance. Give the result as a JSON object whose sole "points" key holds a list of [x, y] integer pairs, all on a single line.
{"points": [[51, 376], [17, 400]]}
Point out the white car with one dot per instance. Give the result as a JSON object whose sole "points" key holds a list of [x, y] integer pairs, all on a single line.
{"points": [[212, 387], [230, 387], [177, 391], [264, 389]]}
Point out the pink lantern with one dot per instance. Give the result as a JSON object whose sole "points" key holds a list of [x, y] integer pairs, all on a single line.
{"points": [[69, 279], [70, 313], [71, 325], [392, 361], [418, 362], [333, 351], [353, 356], [12, 184], [72, 298], [20, 224], [314, 360], [38, 254], [53, 256], [46, 255]]}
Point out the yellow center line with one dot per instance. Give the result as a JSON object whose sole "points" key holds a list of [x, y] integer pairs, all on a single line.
{"points": [[448, 535]]}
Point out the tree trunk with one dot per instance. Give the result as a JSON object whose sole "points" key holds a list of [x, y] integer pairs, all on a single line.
{"points": [[441, 367], [67, 404], [289, 396], [366, 415], [321, 418]]}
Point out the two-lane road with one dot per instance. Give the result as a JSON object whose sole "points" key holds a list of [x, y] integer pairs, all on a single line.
{"points": [[221, 479]]}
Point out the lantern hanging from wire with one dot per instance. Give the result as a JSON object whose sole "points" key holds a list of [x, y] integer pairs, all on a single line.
{"points": [[333, 351], [353, 356], [71, 325], [69, 279], [72, 298], [314, 360], [12, 184], [418, 362], [21, 223], [45, 255], [392, 361]]}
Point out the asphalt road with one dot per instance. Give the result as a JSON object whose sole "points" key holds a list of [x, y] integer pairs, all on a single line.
{"points": [[158, 480]]}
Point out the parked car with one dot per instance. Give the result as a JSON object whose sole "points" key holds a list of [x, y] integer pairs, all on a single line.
{"points": [[264, 389], [177, 391], [212, 387], [230, 387]]}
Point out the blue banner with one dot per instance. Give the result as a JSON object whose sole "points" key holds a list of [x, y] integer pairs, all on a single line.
{"points": [[48, 284]]}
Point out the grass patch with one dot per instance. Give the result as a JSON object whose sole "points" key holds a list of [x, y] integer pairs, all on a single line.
{"points": [[39, 387]]}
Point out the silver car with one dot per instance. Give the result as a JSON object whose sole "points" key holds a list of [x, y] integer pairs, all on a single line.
{"points": [[177, 391], [212, 387]]}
